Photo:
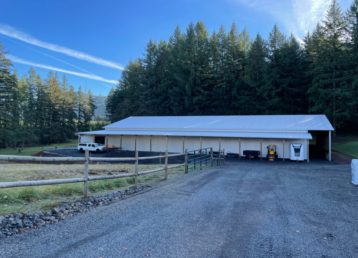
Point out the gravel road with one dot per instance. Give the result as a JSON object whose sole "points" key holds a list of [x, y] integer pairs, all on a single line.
{"points": [[244, 209]]}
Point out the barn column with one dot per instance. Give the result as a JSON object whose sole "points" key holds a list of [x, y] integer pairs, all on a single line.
{"points": [[308, 150], [201, 143], [183, 144], [283, 149], [135, 143], [150, 143], [261, 148], [120, 143], [166, 144], [106, 141], [329, 145], [239, 147], [219, 144]]}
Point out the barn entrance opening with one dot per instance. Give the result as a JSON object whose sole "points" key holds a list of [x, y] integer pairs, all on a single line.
{"points": [[100, 139], [318, 145]]}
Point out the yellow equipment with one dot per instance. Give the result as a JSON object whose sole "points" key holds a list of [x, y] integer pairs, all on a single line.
{"points": [[271, 152]]}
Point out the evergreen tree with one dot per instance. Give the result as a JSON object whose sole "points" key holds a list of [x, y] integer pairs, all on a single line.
{"points": [[329, 92], [352, 58], [256, 74], [9, 103]]}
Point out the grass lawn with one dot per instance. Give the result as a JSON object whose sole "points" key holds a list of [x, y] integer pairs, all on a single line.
{"points": [[36, 149], [346, 145], [32, 199]]}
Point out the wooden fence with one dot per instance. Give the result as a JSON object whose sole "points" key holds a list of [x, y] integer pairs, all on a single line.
{"points": [[190, 158]]}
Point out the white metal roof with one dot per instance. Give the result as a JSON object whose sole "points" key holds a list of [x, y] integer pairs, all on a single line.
{"points": [[257, 126], [262, 135], [252, 123]]}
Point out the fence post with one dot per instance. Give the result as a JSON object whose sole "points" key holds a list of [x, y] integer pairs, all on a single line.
{"points": [[219, 158], [85, 175], [194, 160], [186, 167], [136, 168], [166, 166], [200, 158], [223, 161], [211, 157]]}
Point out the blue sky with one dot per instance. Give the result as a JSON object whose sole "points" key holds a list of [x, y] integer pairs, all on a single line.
{"points": [[91, 41]]}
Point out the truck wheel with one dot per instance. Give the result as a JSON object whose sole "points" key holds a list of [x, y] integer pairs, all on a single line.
{"points": [[81, 150], [97, 150]]}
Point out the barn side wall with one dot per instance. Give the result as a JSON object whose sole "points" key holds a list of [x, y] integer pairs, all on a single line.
{"points": [[179, 144], [86, 138]]}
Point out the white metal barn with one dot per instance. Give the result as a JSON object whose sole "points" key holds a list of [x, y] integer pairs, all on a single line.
{"points": [[233, 134]]}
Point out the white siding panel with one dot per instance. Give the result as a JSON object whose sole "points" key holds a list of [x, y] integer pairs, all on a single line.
{"points": [[158, 143], [230, 145], [175, 144], [143, 143], [211, 142], [114, 141], [192, 143], [250, 144], [86, 139], [128, 142]]}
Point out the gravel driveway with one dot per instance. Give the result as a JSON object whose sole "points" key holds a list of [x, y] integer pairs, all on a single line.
{"points": [[244, 209]]}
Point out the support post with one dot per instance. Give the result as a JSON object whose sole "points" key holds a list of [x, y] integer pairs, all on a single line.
{"points": [[239, 148], [150, 144], [308, 150], [261, 149], [135, 143], [136, 168], [120, 144], [85, 174], [329, 145], [183, 144], [166, 160], [211, 157], [219, 158], [186, 165], [194, 160], [283, 150], [223, 160]]}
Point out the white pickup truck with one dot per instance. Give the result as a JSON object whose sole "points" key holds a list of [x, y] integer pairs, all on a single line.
{"points": [[91, 146]]}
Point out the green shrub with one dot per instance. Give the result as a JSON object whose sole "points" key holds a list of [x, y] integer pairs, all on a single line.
{"points": [[29, 195], [8, 197], [130, 180], [67, 190], [120, 183]]}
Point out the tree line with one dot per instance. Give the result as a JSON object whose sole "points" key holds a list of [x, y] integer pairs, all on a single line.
{"points": [[226, 72], [35, 110]]}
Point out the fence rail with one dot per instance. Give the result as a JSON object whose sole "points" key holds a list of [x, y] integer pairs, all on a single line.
{"points": [[78, 159], [194, 158]]}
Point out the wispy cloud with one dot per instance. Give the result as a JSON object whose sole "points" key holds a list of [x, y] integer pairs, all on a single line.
{"points": [[297, 16], [19, 60], [307, 13], [19, 35]]}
